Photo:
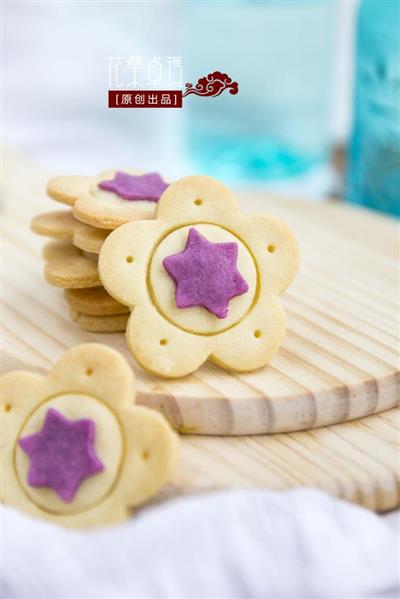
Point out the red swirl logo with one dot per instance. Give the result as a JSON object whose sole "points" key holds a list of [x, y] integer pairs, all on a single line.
{"points": [[212, 85]]}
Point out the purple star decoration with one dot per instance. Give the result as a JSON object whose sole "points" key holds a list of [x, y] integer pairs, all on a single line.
{"points": [[136, 187], [61, 455], [205, 274]]}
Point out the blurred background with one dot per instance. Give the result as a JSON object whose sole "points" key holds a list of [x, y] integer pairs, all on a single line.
{"points": [[317, 114]]}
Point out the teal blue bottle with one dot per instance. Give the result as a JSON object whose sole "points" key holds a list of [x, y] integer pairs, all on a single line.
{"points": [[374, 161]]}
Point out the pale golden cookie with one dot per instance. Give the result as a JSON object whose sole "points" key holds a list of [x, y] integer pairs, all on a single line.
{"points": [[95, 301], [75, 448], [63, 225], [68, 189], [113, 323], [58, 225], [66, 266], [89, 239], [98, 207], [202, 280]]}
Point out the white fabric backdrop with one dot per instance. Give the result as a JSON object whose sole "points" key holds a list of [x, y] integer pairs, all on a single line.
{"points": [[290, 545]]}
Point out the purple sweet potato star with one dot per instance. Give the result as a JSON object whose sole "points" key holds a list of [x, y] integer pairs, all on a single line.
{"points": [[61, 455], [136, 187], [205, 274]]}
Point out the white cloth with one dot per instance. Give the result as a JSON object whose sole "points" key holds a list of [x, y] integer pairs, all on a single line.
{"points": [[262, 544]]}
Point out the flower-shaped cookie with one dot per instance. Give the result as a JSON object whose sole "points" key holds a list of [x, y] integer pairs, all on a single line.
{"points": [[111, 199], [62, 224], [68, 267], [202, 280], [75, 447]]}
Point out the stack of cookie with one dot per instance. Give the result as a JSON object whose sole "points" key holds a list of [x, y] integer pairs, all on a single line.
{"points": [[98, 205], [201, 279]]}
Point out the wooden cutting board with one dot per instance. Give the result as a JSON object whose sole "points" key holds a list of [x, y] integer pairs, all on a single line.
{"points": [[339, 360]]}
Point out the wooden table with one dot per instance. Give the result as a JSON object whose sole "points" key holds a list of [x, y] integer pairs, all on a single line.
{"points": [[340, 356]]}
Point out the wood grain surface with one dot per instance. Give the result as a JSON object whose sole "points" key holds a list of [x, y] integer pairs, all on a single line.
{"points": [[339, 360], [357, 461]]}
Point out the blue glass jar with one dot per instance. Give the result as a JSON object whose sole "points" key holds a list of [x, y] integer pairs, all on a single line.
{"points": [[374, 161]]}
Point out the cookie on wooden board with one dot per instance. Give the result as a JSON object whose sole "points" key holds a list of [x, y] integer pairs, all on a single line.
{"points": [[68, 189], [61, 224], [89, 238], [68, 267], [110, 199], [202, 281], [94, 301], [75, 448], [113, 323]]}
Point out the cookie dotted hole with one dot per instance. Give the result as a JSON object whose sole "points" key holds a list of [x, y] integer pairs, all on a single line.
{"points": [[145, 455], [89, 371], [271, 248], [257, 333], [163, 341], [7, 407], [129, 259], [198, 202]]}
